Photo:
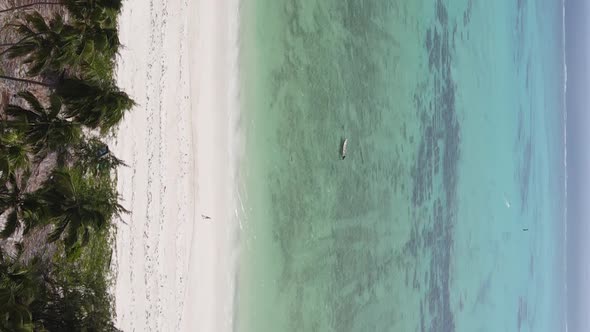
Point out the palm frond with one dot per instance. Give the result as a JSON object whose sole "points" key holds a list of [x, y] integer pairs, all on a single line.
{"points": [[21, 49], [55, 105], [20, 112], [79, 205], [37, 21], [32, 101], [57, 232]]}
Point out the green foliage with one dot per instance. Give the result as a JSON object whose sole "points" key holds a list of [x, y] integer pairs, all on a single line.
{"points": [[45, 47], [79, 200], [79, 206], [26, 207], [96, 12], [73, 297], [93, 105], [93, 157], [13, 152], [19, 286], [85, 277], [45, 129], [54, 46]]}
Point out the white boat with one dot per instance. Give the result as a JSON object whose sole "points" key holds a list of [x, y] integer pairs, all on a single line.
{"points": [[343, 150]]}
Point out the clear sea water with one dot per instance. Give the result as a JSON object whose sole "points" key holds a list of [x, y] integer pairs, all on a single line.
{"points": [[454, 114]]}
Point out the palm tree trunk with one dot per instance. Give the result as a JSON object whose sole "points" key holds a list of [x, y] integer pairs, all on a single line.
{"points": [[22, 80], [29, 5]]}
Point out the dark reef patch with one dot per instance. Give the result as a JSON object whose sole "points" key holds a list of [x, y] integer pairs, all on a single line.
{"points": [[435, 172], [522, 312]]}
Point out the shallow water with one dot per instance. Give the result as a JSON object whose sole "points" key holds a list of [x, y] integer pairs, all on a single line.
{"points": [[453, 111]]}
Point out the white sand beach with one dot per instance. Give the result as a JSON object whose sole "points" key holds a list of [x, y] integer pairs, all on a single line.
{"points": [[174, 269]]}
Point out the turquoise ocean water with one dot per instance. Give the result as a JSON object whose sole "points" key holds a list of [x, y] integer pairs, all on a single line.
{"points": [[454, 115]]}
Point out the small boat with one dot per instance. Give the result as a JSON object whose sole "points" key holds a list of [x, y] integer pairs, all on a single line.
{"points": [[343, 149]]}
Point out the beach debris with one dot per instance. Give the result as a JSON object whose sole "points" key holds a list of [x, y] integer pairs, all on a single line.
{"points": [[343, 148], [205, 217]]}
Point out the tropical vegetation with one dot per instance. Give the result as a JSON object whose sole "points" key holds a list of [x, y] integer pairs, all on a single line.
{"points": [[58, 195]]}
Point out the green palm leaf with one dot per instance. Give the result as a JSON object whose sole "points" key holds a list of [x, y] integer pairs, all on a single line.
{"points": [[93, 105], [20, 112], [13, 152], [55, 105], [38, 22], [32, 101], [26, 207], [44, 129], [57, 232], [54, 45], [79, 205]]}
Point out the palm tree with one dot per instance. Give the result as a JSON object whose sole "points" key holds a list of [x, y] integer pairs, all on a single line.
{"points": [[45, 129], [96, 12], [11, 9], [13, 152], [54, 46], [94, 105], [93, 156], [19, 287], [99, 46], [79, 206], [43, 45], [91, 104], [76, 297], [17, 292], [22, 206], [74, 6]]}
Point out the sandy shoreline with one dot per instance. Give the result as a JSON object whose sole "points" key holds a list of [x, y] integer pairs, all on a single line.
{"points": [[174, 269]]}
